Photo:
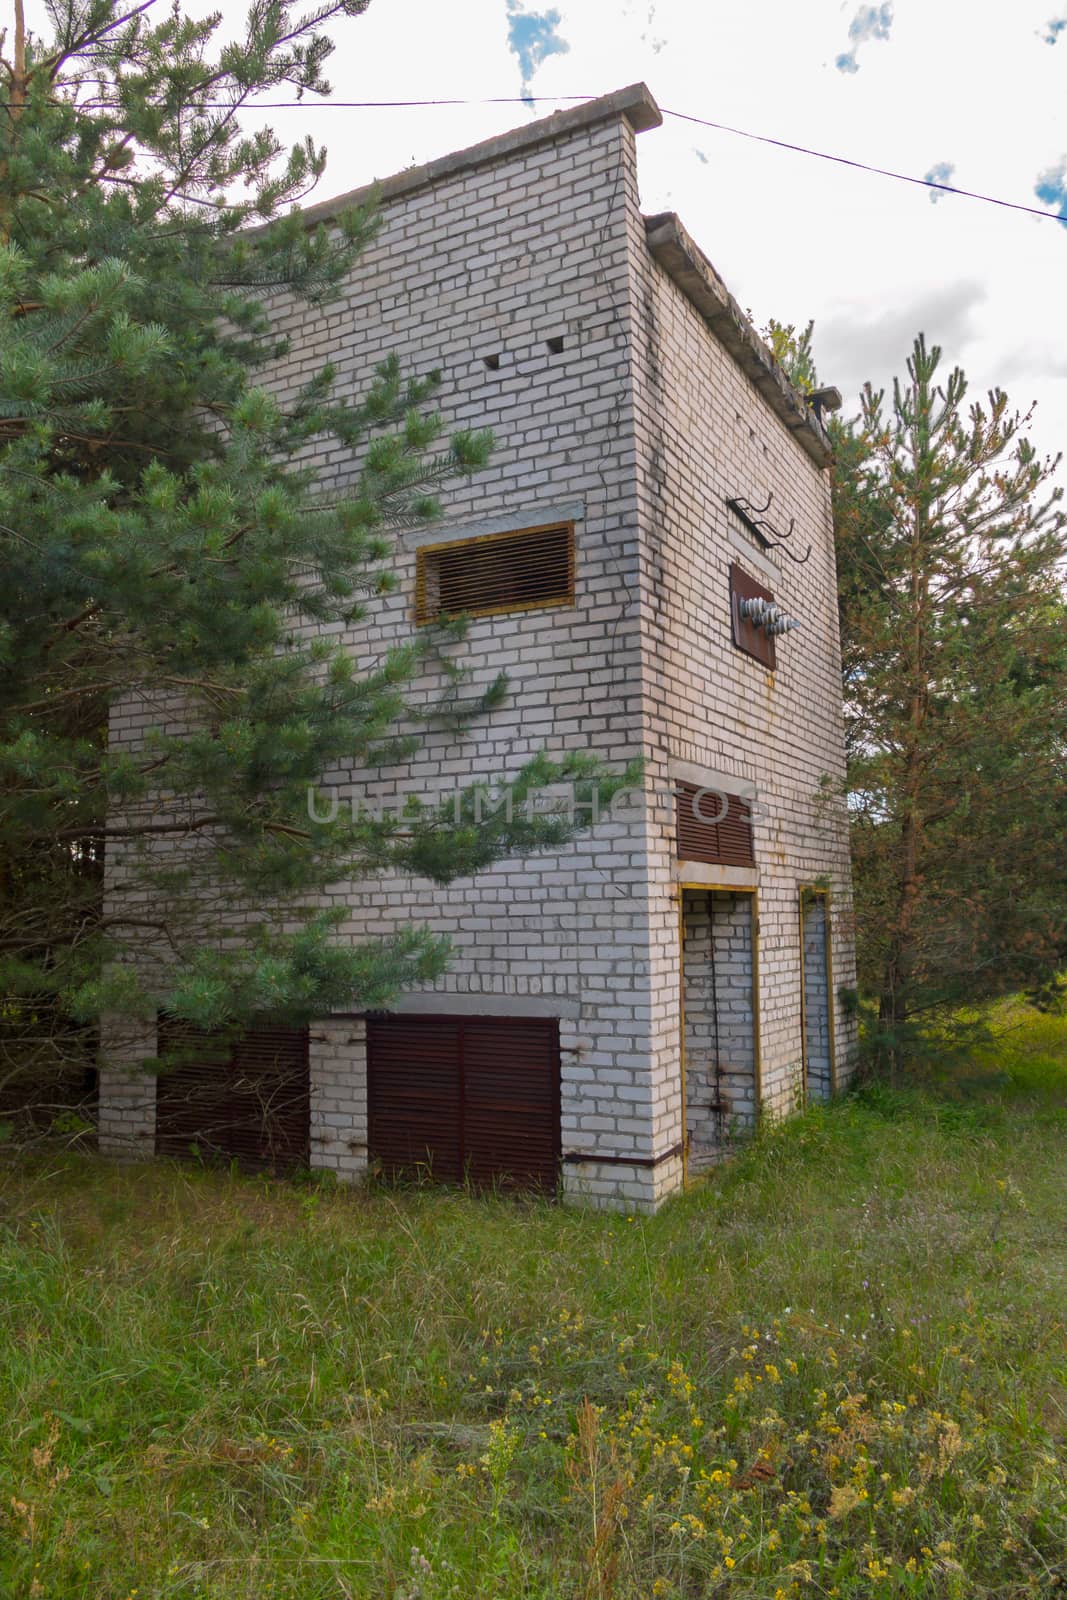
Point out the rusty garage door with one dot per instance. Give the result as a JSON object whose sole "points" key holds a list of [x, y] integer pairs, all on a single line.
{"points": [[471, 1099], [243, 1100]]}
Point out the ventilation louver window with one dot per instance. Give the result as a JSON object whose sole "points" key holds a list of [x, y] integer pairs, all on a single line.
{"points": [[713, 827], [496, 572]]}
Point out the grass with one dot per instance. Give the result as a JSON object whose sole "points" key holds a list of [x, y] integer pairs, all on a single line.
{"points": [[837, 1369]]}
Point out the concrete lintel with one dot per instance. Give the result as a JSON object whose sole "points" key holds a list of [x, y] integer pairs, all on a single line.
{"points": [[464, 527], [482, 1005], [694, 274], [704, 875], [635, 103], [711, 778], [759, 559]]}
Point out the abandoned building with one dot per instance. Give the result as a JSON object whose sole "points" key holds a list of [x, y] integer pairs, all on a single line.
{"points": [[649, 557]]}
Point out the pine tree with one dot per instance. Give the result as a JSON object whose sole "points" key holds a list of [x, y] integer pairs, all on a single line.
{"points": [[950, 544], [159, 542], [950, 547]]}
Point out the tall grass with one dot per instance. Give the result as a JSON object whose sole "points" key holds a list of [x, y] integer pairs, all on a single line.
{"points": [[838, 1368]]}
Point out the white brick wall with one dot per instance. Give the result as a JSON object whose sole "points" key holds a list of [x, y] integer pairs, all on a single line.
{"points": [[337, 1055], [126, 1124], [705, 434], [635, 431]]}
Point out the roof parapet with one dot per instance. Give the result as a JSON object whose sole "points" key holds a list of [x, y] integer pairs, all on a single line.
{"points": [[694, 274], [635, 103]]}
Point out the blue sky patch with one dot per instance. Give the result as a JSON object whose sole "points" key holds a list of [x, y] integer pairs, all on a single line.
{"points": [[533, 36], [940, 172], [870, 22], [1051, 189]]}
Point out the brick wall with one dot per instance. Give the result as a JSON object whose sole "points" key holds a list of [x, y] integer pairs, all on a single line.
{"points": [[337, 1055], [711, 713], [634, 431], [126, 1122], [818, 1000], [494, 262]]}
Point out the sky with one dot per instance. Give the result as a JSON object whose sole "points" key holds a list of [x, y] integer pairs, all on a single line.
{"points": [[968, 92]]}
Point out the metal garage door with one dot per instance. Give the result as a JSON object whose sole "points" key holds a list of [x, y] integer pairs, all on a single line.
{"points": [[466, 1098], [245, 1100]]}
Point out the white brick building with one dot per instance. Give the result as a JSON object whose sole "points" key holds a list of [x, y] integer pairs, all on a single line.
{"points": [[612, 1014]]}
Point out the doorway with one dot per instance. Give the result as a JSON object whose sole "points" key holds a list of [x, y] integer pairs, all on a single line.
{"points": [[719, 1021], [817, 1020]]}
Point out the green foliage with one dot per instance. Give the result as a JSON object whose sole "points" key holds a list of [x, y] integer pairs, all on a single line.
{"points": [[791, 348], [836, 1366], [949, 542], [163, 546]]}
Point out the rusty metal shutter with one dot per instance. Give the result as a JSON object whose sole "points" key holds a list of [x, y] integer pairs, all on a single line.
{"points": [[496, 572], [413, 1099], [245, 1100], [753, 641], [511, 1103], [724, 841], [466, 1098]]}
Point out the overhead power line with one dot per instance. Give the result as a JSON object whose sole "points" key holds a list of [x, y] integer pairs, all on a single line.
{"points": [[680, 116], [863, 166]]}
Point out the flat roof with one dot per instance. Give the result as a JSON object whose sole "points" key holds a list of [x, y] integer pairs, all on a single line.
{"points": [[635, 103]]}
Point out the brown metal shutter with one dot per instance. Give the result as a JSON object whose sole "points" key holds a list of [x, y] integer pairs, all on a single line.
{"points": [[413, 1096], [474, 1098], [725, 841], [753, 641], [496, 572], [511, 1103], [246, 1100]]}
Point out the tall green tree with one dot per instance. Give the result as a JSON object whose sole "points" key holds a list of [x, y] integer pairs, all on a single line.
{"points": [[163, 548], [950, 546]]}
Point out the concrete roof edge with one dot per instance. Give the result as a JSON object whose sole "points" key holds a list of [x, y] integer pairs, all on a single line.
{"points": [[686, 263], [635, 103]]}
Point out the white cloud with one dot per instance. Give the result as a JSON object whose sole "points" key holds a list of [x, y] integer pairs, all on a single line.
{"points": [[873, 343]]}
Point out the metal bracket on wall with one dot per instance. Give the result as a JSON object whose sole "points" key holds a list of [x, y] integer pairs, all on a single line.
{"points": [[762, 529]]}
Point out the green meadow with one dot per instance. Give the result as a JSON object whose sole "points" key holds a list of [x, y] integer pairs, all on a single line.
{"points": [[837, 1368]]}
